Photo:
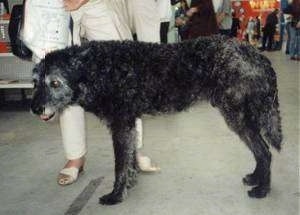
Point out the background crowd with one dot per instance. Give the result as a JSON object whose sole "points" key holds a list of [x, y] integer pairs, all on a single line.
{"points": [[206, 17]]}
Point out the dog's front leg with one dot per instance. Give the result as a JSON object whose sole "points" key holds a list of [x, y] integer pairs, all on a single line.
{"points": [[123, 137]]}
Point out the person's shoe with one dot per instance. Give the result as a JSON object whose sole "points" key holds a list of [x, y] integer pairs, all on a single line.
{"points": [[145, 164], [70, 173], [261, 49]]}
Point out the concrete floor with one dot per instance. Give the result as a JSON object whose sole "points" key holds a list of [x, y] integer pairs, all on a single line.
{"points": [[202, 163]]}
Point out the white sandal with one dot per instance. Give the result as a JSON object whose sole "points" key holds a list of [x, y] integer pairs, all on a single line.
{"points": [[69, 175], [146, 165]]}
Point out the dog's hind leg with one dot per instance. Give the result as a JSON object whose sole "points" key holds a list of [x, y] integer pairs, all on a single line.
{"points": [[123, 135], [240, 121], [261, 177]]}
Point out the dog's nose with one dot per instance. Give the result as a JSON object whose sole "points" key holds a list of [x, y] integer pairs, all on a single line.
{"points": [[38, 110]]}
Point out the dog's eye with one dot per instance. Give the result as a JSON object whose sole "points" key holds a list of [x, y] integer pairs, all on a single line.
{"points": [[55, 84]]}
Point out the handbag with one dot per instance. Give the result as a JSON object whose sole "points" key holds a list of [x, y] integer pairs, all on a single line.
{"points": [[18, 47]]}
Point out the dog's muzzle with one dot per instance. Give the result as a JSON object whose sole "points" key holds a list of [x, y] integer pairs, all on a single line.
{"points": [[45, 114], [46, 117]]}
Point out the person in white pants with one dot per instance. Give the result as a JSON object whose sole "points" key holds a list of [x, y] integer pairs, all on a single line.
{"points": [[144, 21], [101, 20]]}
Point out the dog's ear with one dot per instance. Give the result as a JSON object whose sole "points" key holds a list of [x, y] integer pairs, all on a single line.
{"points": [[78, 56]]}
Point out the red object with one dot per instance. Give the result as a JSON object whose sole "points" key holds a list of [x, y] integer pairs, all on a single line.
{"points": [[4, 47], [244, 12], [5, 16]]}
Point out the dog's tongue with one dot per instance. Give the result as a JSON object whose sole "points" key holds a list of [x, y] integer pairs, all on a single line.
{"points": [[44, 117]]}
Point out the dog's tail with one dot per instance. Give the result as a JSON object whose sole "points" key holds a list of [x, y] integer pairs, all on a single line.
{"points": [[271, 120]]}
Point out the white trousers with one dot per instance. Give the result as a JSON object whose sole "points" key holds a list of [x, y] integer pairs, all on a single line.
{"points": [[106, 20], [97, 20], [144, 19]]}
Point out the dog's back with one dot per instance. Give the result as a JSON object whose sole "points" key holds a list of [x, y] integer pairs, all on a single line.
{"points": [[172, 77]]}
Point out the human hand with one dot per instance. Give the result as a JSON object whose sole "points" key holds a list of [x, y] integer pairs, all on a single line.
{"points": [[191, 11], [71, 5], [179, 21], [220, 17]]}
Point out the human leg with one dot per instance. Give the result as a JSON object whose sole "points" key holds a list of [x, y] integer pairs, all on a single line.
{"points": [[293, 43], [287, 49], [298, 43], [72, 125], [144, 19], [108, 15], [271, 39], [164, 28], [264, 41], [145, 22], [99, 22]]}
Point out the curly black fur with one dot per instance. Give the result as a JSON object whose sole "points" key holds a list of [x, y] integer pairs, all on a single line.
{"points": [[120, 81]]}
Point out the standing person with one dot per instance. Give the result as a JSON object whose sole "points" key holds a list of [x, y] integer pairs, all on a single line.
{"points": [[165, 13], [250, 30], [181, 19], [103, 20], [257, 28], [269, 30], [202, 19], [144, 22], [235, 26], [294, 10], [224, 18], [96, 20]]}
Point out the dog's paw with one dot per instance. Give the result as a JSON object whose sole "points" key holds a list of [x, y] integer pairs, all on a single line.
{"points": [[259, 192], [111, 199], [132, 178], [250, 180], [131, 183]]}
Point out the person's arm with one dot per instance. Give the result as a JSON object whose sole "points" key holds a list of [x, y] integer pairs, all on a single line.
{"points": [[71, 5], [191, 11], [225, 11]]}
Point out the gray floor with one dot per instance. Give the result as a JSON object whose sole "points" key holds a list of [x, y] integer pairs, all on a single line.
{"points": [[202, 163]]}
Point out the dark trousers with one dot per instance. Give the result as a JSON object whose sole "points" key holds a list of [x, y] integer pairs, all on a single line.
{"points": [[164, 28], [288, 31], [226, 32], [268, 38]]}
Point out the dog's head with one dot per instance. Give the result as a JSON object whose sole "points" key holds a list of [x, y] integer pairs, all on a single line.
{"points": [[56, 83]]}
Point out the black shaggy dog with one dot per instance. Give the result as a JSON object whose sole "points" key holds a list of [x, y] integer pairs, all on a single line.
{"points": [[120, 81]]}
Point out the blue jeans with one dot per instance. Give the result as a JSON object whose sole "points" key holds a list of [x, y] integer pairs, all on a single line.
{"points": [[295, 42]]}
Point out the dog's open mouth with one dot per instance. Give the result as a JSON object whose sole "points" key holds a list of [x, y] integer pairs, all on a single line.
{"points": [[46, 117]]}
